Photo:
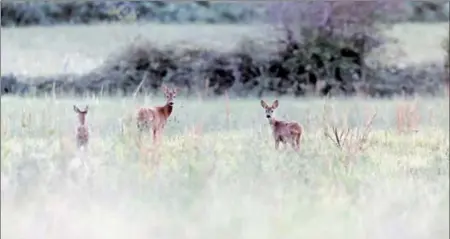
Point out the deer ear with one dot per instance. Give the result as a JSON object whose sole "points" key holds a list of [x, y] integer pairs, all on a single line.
{"points": [[75, 108], [275, 104], [164, 88], [86, 108], [263, 104]]}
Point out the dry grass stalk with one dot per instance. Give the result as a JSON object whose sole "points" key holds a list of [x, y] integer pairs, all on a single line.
{"points": [[196, 132], [25, 120], [227, 108], [194, 135], [407, 117], [125, 123], [203, 92], [4, 128], [138, 88], [347, 139], [149, 156]]}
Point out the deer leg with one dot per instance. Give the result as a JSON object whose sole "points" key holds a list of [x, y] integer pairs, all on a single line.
{"points": [[155, 132], [139, 126], [277, 144], [159, 134], [161, 129], [293, 143], [296, 142], [284, 141]]}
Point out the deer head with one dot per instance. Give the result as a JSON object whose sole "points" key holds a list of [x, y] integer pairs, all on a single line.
{"points": [[269, 109], [81, 114], [170, 94]]}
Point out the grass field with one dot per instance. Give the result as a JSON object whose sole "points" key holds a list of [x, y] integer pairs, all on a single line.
{"points": [[218, 176]]}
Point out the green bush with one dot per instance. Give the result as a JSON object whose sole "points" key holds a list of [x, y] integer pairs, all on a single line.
{"points": [[330, 40], [251, 70]]}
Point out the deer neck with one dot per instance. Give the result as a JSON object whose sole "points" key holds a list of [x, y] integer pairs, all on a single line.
{"points": [[82, 121], [168, 107], [272, 121]]}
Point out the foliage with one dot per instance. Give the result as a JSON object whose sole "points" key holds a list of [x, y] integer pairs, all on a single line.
{"points": [[331, 39], [345, 20], [47, 13], [142, 67], [50, 13]]}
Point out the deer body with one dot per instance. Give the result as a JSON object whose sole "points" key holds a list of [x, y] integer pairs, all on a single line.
{"points": [[283, 131], [82, 133], [156, 117]]}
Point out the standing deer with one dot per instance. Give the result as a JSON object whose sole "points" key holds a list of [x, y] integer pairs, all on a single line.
{"points": [[156, 117], [82, 134], [283, 131]]}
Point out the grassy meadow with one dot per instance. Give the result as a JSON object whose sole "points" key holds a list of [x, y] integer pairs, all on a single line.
{"points": [[216, 173]]}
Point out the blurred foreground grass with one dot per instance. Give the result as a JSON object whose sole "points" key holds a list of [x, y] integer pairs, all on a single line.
{"points": [[219, 177]]}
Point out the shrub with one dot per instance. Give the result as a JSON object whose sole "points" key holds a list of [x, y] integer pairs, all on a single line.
{"points": [[250, 70], [427, 11], [330, 39]]}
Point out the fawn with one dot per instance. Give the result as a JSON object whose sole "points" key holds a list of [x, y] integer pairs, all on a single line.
{"points": [[156, 117], [283, 131], [82, 130]]}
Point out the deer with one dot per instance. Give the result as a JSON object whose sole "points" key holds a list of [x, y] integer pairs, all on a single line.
{"points": [[283, 131], [156, 117], [82, 133]]}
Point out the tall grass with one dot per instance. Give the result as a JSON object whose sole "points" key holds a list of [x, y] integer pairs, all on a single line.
{"points": [[217, 174]]}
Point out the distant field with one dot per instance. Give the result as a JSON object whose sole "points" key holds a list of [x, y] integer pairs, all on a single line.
{"points": [[215, 177], [77, 49]]}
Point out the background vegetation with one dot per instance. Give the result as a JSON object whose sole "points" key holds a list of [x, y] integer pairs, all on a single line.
{"points": [[47, 13], [311, 55]]}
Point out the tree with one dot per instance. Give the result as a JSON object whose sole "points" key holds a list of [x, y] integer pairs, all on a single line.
{"points": [[329, 31]]}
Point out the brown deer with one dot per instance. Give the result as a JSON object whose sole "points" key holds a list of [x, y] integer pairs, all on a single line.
{"points": [[82, 134], [156, 117], [283, 131]]}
